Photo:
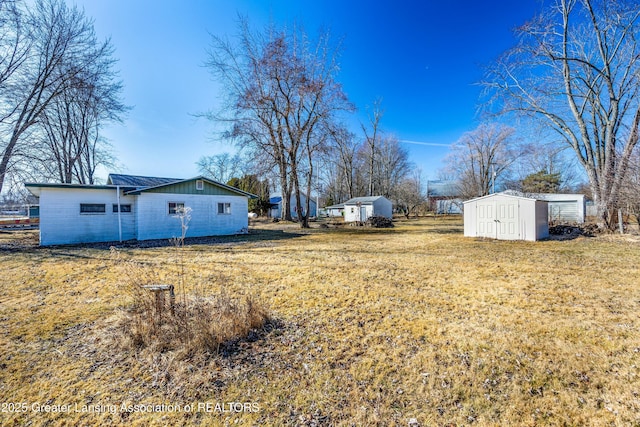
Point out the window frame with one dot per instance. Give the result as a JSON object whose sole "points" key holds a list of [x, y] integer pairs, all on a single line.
{"points": [[177, 206], [123, 208], [92, 211], [199, 185], [226, 208]]}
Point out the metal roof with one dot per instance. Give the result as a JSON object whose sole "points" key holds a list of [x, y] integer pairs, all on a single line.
{"points": [[443, 189], [138, 181], [508, 193], [363, 200], [134, 184]]}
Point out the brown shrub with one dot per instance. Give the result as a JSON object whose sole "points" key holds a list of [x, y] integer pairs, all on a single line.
{"points": [[188, 324]]}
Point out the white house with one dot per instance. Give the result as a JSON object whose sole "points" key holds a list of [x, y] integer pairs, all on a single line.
{"points": [[506, 216], [564, 207], [359, 209], [276, 206], [136, 207]]}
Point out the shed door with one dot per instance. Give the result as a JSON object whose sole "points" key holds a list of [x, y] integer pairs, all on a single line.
{"points": [[486, 224], [566, 211], [363, 213], [507, 220]]}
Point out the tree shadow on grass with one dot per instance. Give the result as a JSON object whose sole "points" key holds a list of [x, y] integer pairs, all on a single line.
{"points": [[31, 246]]}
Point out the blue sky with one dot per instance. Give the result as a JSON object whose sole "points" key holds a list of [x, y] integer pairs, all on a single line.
{"points": [[422, 58]]}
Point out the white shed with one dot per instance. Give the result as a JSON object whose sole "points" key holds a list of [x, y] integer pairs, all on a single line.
{"points": [[506, 217], [359, 209]]}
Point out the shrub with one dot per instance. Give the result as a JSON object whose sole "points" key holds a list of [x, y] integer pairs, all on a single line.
{"points": [[179, 321], [192, 324], [379, 222]]}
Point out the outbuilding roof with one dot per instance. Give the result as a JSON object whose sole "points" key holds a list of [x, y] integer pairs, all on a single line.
{"points": [[363, 200], [508, 193], [443, 188]]}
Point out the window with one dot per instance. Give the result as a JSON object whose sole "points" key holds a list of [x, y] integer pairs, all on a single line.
{"points": [[224, 208], [175, 207], [123, 208], [92, 208], [199, 185]]}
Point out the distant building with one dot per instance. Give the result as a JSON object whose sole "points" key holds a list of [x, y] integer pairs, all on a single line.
{"points": [[335, 210], [359, 209], [564, 207], [443, 197], [276, 206]]}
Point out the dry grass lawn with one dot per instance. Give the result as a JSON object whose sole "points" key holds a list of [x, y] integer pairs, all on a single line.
{"points": [[372, 327]]}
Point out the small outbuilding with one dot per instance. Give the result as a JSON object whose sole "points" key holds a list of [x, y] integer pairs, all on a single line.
{"points": [[564, 207], [335, 210], [506, 217], [359, 209]]}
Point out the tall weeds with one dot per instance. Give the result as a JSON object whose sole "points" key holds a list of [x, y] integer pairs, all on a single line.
{"points": [[192, 323]]}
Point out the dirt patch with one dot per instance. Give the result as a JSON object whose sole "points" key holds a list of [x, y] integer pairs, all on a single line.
{"points": [[572, 231]]}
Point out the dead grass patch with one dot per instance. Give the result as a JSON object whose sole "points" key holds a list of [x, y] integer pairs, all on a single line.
{"points": [[376, 327]]}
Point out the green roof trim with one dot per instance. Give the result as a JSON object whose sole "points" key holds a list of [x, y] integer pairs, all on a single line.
{"points": [[188, 186]]}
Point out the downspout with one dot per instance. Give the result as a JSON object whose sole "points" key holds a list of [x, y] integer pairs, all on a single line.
{"points": [[119, 219]]}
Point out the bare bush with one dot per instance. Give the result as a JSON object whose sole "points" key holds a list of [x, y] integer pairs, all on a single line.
{"points": [[379, 222], [194, 324]]}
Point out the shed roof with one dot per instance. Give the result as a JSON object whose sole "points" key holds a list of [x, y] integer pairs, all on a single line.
{"points": [[509, 193], [364, 200]]}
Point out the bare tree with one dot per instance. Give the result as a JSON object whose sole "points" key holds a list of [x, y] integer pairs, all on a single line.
{"points": [[577, 68], [372, 137], [630, 191], [391, 166], [221, 167], [548, 157], [282, 91], [70, 126], [60, 52], [409, 194], [344, 161], [14, 46], [479, 158]]}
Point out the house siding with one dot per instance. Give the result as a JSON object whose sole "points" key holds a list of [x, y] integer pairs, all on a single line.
{"points": [[189, 187], [154, 221], [62, 223]]}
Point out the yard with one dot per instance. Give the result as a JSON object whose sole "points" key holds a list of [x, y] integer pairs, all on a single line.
{"points": [[371, 327]]}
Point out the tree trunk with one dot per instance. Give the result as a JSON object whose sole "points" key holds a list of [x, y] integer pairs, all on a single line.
{"points": [[6, 158]]}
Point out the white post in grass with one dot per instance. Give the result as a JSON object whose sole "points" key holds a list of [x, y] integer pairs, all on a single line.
{"points": [[119, 219]]}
